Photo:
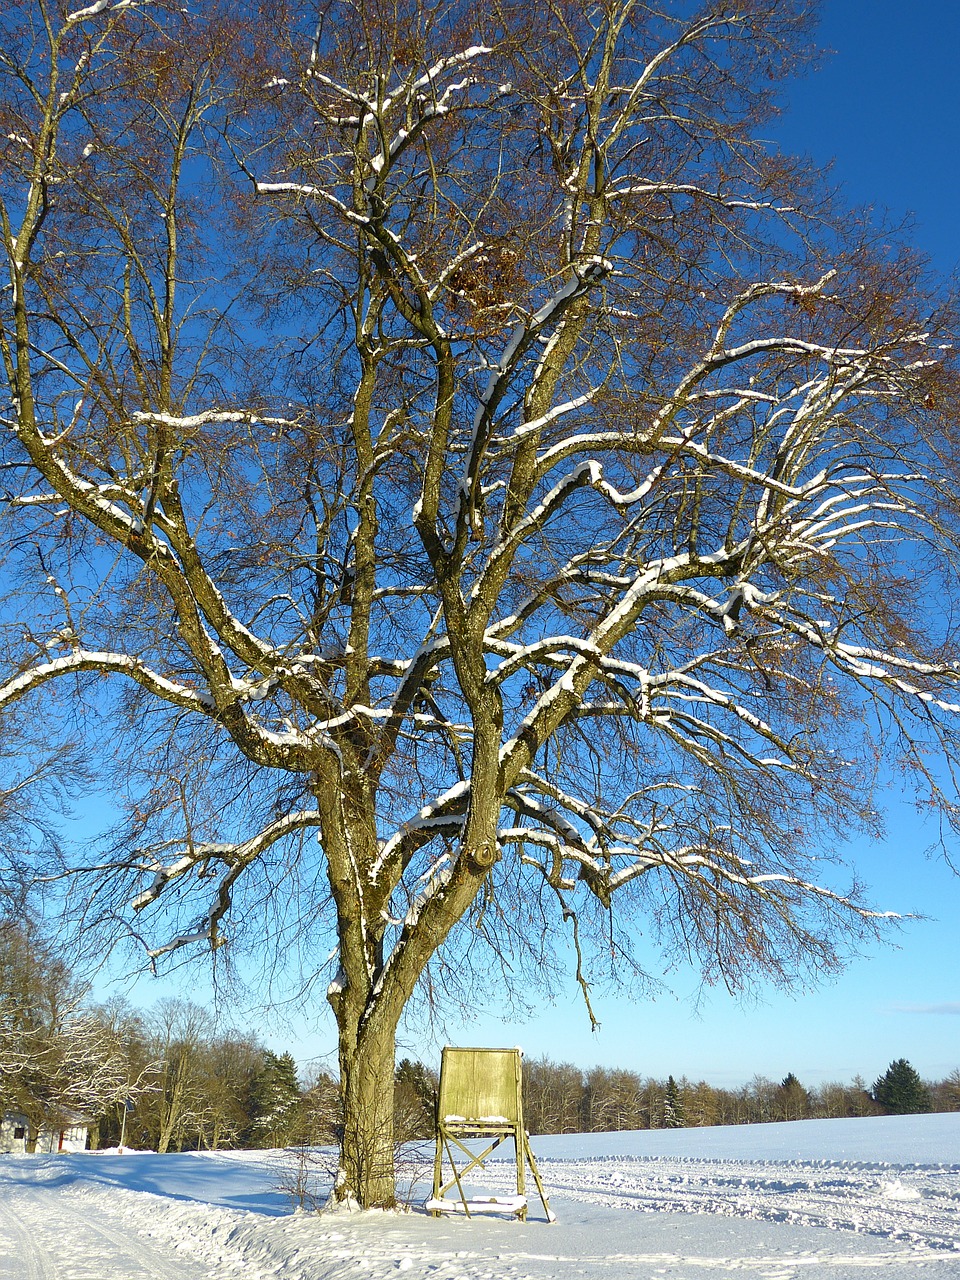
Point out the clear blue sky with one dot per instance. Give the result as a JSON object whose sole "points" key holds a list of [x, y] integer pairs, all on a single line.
{"points": [[884, 110]]}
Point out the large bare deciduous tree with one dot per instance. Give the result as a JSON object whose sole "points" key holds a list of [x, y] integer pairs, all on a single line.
{"points": [[468, 492]]}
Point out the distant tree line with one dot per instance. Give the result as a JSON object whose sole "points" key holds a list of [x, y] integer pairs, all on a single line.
{"points": [[202, 1087], [168, 1079], [562, 1098], [172, 1079]]}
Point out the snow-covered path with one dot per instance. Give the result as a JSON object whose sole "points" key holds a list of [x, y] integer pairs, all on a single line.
{"points": [[50, 1232], [835, 1200]]}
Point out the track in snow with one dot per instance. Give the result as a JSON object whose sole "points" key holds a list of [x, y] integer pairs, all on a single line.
{"points": [[915, 1204], [178, 1218], [19, 1257], [48, 1232]]}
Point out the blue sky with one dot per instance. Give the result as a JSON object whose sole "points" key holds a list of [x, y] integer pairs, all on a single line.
{"points": [[883, 109]]}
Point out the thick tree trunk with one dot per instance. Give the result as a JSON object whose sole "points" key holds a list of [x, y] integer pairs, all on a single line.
{"points": [[366, 1172]]}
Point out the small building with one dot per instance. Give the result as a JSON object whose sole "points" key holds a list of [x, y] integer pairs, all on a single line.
{"points": [[72, 1134]]}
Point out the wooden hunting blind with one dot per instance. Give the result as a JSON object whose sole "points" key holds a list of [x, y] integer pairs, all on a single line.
{"points": [[481, 1096]]}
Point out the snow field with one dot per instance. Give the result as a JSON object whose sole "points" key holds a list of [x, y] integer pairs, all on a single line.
{"points": [[632, 1206]]}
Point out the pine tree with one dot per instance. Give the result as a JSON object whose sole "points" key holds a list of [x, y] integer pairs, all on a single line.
{"points": [[274, 1101], [415, 1090], [793, 1101], [900, 1091], [673, 1117]]}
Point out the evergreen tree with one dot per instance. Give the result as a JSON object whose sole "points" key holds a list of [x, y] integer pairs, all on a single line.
{"points": [[673, 1117], [320, 1113], [274, 1100], [900, 1091], [415, 1089], [793, 1101]]}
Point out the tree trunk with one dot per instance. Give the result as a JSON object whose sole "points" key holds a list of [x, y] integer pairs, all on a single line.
{"points": [[167, 1122], [366, 1172], [170, 1110]]}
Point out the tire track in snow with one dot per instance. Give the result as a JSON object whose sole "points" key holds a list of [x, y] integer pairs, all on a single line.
{"points": [[134, 1246], [915, 1205], [57, 1241], [21, 1260]]}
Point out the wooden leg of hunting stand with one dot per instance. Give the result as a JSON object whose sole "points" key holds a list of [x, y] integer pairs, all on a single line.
{"points": [[528, 1151], [521, 1173], [437, 1172]]}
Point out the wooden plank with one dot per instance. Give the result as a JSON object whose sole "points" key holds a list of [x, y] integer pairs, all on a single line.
{"points": [[480, 1085]]}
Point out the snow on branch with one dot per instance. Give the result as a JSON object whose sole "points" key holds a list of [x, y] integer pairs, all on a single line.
{"points": [[202, 852], [103, 6], [451, 60], [766, 289], [310, 191], [120, 663], [580, 279], [552, 648], [691, 189], [588, 472], [445, 813], [192, 422], [235, 857], [729, 872]]}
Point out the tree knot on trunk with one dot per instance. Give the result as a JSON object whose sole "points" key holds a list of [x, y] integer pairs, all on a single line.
{"points": [[484, 856]]}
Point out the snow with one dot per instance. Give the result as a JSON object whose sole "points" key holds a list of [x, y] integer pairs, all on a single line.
{"points": [[495, 1204], [809, 1200], [89, 12]]}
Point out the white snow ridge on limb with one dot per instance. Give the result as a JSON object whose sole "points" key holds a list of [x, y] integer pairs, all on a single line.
{"points": [[101, 6]]}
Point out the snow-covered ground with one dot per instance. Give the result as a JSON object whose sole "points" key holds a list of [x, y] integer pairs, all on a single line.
{"points": [[811, 1200]]}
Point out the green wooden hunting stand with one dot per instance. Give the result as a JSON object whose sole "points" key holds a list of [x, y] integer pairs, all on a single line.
{"points": [[481, 1097]]}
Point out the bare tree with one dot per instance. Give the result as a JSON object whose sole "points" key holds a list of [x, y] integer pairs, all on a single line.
{"points": [[484, 495], [229, 1064], [117, 1124], [36, 784], [552, 1097], [946, 1093], [59, 1060], [179, 1104]]}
